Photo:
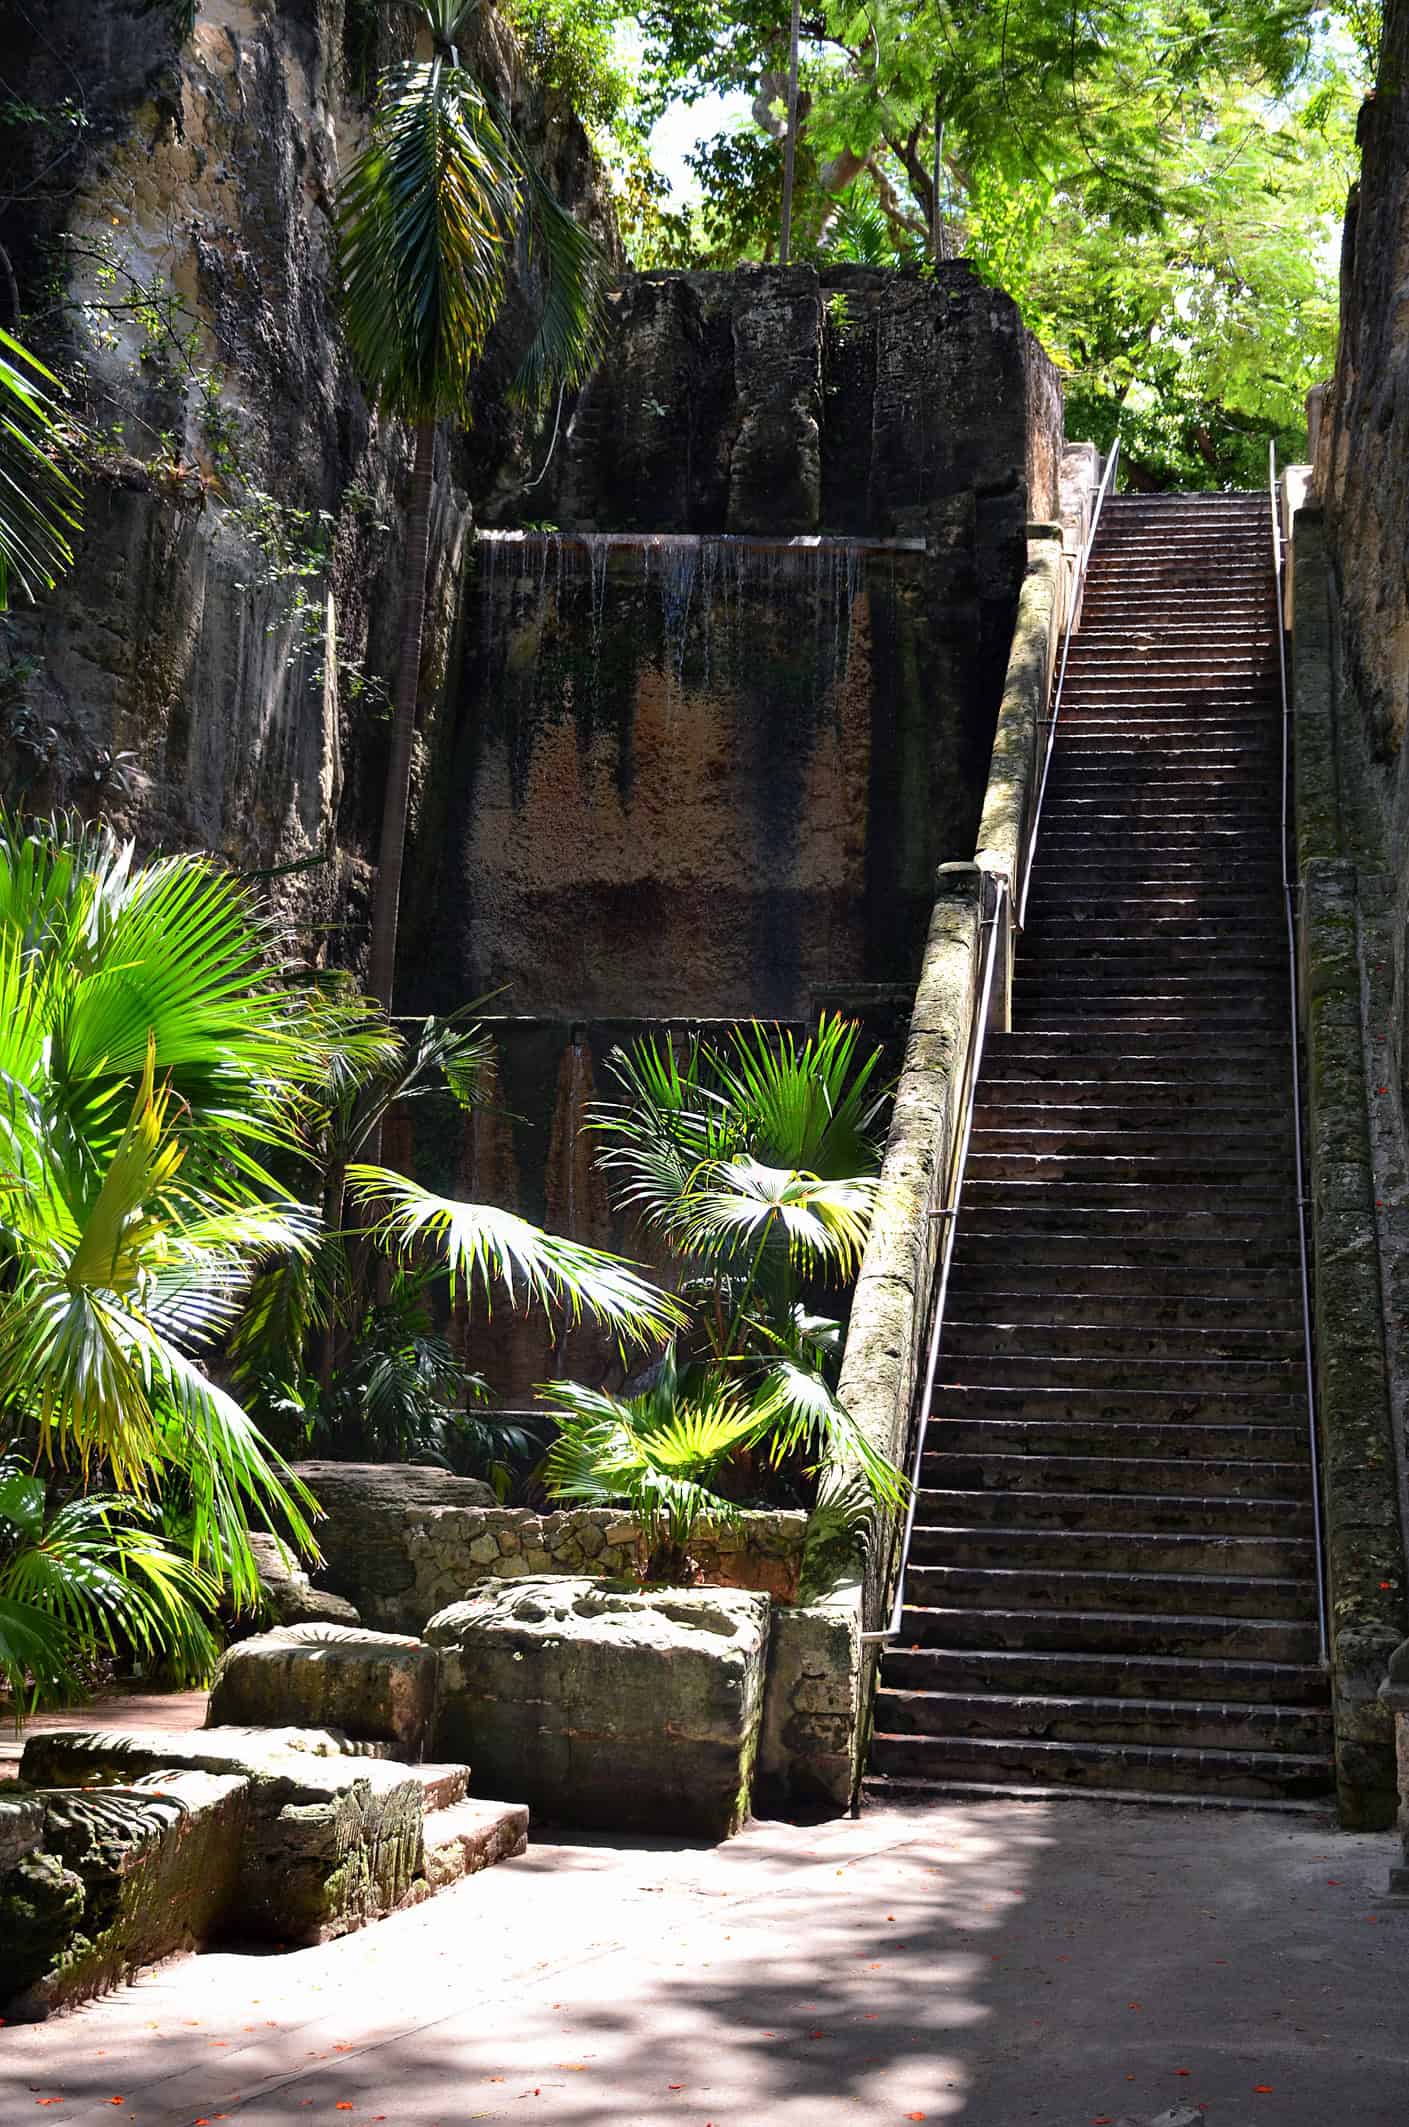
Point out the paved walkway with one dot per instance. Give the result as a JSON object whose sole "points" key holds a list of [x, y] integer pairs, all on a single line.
{"points": [[123, 1709], [1004, 1965]]}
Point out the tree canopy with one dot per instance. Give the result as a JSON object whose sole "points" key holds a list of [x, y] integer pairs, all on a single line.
{"points": [[1159, 183]]}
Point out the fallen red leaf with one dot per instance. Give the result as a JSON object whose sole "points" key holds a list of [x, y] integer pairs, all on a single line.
{"points": [[1263, 2089]]}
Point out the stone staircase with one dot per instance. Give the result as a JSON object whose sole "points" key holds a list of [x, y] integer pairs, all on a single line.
{"points": [[1111, 1585]]}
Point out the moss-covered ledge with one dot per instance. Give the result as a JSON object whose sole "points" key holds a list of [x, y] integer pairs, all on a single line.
{"points": [[1022, 734], [1364, 1548]]}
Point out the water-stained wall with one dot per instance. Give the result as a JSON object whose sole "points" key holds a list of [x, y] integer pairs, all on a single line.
{"points": [[713, 731]]}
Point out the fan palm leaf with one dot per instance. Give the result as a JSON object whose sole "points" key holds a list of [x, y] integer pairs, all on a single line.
{"points": [[484, 1247], [150, 1062], [88, 1576], [739, 1205]]}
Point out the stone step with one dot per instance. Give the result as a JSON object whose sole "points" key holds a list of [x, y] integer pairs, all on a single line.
{"points": [[984, 1242], [1059, 1455], [1171, 1057], [1037, 1253], [1101, 1023], [1141, 1512], [1251, 1775], [1016, 1548], [1177, 942], [1202, 1724], [1098, 1368], [1108, 1156], [1125, 1308], [443, 1785], [1103, 1125], [995, 1336], [1034, 1208], [1046, 1630], [469, 1835], [1164, 1677], [1170, 1594]]}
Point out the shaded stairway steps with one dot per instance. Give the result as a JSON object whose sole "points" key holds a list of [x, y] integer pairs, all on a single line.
{"points": [[1111, 1584]]}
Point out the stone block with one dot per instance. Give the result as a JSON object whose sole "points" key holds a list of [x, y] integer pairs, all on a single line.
{"points": [[811, 1707], [288, 1591], [332, 1842], [126, 1876], [630, 1710], [372, 1513], [373, 1686], [21, 1826]]}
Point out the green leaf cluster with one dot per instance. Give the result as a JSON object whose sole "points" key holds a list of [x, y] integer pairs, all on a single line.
{"points": [[752, 1163]]}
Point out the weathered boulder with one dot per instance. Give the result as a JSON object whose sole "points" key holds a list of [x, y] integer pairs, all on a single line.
{"points": [[373, 1686], [331, 1842], [629, 1709], [125, 1876], [374, 1511], [21, 1825], [290, 1593]]}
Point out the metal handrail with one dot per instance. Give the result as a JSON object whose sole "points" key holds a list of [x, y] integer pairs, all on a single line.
{"points": [[1303, 1194], [1078, 586], [992, 929]]}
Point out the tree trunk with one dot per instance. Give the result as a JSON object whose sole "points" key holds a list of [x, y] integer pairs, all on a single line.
{"points": [[396, 802], [790, 152]]}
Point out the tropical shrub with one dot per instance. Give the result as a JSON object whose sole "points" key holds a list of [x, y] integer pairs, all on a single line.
{"points": [[341, 1347], [753, 1164], [87, 1574]]}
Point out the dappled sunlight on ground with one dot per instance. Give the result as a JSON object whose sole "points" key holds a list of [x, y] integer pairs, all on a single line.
{"points": [[1049, 1963]]}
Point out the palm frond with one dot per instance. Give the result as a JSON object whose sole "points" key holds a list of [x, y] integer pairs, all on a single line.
{"points": [[484, 1247], [811, 1106], [425, 219], [39, 502], [802, 1416], [738, 1205]]}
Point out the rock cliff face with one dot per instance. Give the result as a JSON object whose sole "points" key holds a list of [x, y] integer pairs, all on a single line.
{"points": [[707, 742], [208, 673], [1352, 673]]}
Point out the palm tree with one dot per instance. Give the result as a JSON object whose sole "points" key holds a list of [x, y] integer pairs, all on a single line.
{"points": [[38, 500], [152, 1065], [340, 1337], [428, 217], [754, 1163]]}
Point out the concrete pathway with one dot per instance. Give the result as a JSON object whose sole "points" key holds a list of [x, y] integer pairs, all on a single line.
{"points": [[134, 1708], [999, 1965]]}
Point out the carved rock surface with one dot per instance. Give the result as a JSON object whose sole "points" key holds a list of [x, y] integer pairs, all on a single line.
{"points": [[332, 1841], [374, 1686], [126, 1875], [629, 1709]]}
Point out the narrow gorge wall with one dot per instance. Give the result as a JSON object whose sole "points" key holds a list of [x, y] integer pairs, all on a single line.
{"points": [[1351, 668], [166, 211]]}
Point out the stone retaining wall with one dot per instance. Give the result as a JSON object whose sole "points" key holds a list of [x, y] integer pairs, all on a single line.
{"points": [[402, 1542]]}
